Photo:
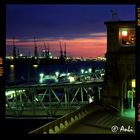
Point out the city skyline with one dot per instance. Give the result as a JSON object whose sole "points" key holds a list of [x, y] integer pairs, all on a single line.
{"points": [[81, 27]]}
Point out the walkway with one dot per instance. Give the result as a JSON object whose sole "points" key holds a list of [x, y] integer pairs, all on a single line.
{"points": [[104, 122]]}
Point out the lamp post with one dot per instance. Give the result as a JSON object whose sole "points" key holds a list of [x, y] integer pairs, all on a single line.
{"points": [[41, 77], [90, 70], [57, 74], [82, 71]]}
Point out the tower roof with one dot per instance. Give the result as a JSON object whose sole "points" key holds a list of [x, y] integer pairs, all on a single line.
{"points": [[121, 22]]}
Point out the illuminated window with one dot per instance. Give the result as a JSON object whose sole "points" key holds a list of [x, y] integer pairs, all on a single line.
{"points": [[1, 61], [133, 83], [124, 33], [127, 37]]}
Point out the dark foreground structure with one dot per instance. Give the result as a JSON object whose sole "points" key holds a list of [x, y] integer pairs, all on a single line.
{"points": [[119, 88], [116, 111]]}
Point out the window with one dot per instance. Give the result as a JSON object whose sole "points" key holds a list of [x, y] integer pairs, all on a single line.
{"points": [[127, 37]]}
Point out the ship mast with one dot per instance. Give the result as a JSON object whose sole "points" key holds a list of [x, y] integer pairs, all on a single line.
{"points": [[61, 52], [65, 51]]}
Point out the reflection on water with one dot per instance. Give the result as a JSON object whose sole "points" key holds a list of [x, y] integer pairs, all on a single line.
{"points": [[26, 72], [12, 73]]}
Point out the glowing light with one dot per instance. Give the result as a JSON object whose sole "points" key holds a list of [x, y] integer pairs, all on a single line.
{"points": [[11, 66], [68, 74], [11, 92], [63, 74], [40, 80], [82, 71], [89, 70], [124, 33], [57, 73], [12, 57], [86, 71], [41, 77], [35, 66], [133, 83], [71, 79], [41, 74], [21, 54], [102, 74], [91, 99]]}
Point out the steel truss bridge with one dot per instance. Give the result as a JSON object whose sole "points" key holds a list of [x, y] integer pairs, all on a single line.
{"points": [[55, 100]]}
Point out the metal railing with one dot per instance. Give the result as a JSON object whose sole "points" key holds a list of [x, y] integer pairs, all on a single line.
{"points": [[63, 123], [49, 100]]}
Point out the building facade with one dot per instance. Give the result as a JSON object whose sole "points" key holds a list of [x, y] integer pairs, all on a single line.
{"points": [[120, 67]]}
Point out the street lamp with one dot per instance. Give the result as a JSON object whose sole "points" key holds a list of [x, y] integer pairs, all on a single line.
{"points": [[41, 77], [82, 71], [89, 70], [86, 71], [57, 73]]}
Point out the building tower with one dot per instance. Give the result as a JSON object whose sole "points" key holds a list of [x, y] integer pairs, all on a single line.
{"points": [[120, 65]]}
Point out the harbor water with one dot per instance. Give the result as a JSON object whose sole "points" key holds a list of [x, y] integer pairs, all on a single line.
{"points": [[24, 72]]}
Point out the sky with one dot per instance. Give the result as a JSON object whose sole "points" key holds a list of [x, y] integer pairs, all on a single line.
{"points": [[80, 27]]}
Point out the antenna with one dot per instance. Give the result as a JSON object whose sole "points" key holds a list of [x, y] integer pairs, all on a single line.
{"points": [[114, 15]]}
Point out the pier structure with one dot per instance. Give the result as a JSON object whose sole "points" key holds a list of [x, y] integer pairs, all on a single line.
{"points": [[53, 100], [89, 114], [116, 108]]}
